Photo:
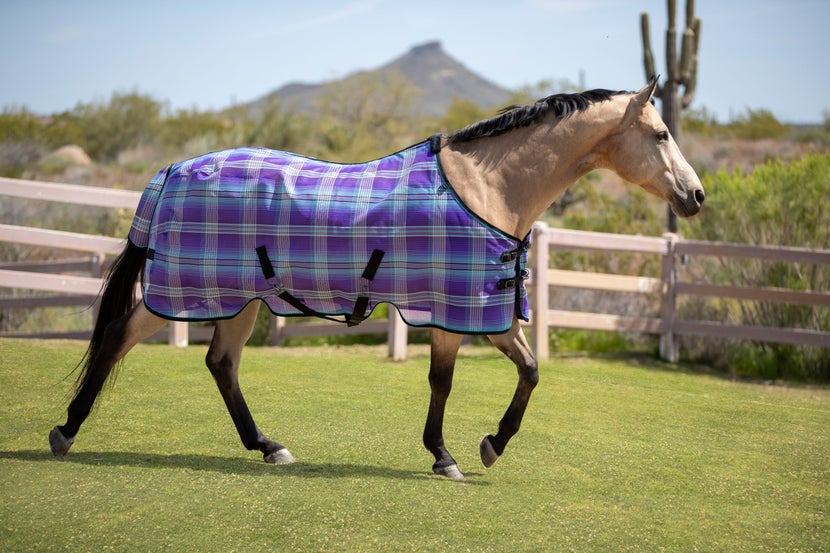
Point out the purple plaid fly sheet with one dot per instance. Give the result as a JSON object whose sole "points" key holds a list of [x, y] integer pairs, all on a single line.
{"points": [[313, 237]]}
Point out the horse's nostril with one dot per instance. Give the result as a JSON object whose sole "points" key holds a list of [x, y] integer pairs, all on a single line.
{"points": [[700, 195]]}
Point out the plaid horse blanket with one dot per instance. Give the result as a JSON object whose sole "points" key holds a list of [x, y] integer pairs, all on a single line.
{"points": [[314, 237]]}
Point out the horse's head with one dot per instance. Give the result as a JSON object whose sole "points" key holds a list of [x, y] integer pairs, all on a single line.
{"points": [[643, 152]]}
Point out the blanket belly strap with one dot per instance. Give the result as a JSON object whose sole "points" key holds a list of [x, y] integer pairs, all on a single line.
{"points": [[362, 302], [358, 314]]}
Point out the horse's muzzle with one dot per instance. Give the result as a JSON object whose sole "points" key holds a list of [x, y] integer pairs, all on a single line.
{"points": [[691, 204]]}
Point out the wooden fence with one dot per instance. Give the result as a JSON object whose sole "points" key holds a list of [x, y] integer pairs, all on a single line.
{"points": [[82, 290], [668, 325]]}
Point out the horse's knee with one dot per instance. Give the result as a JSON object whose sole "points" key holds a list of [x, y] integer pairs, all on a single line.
{"points": [[529, 373], [220, 367], [440, 381]]}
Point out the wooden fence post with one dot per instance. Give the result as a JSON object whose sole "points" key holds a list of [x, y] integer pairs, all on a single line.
{"points": [[276, 324], [668, 297], [397, 335], [540, 252], [178, 334]]}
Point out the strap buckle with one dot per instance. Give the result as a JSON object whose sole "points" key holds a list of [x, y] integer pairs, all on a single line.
{"points": [[510, 283]]}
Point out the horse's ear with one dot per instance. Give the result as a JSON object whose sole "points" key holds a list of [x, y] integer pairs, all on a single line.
{"points": [[644, 95]]}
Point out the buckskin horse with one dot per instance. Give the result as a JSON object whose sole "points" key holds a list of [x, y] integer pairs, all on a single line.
{"points": [[439, 230]]}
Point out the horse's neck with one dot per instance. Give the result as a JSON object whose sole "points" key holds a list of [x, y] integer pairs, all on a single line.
{"points": [[511, 179]]}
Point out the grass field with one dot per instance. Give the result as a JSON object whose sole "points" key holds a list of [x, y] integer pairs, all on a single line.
{"points": [[616, 454]]}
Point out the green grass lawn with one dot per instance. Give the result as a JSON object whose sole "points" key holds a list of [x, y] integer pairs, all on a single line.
{"points": [[616, 454]]}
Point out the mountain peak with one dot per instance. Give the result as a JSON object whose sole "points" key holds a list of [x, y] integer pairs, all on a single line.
{"points": [[428, 48], [440, 77]]}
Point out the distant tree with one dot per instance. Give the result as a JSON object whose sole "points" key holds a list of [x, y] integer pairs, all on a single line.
{"points": [[177, 129], [61, 129], [18, 124], [19, 145], [757, 124], [700, 122], [367, 115], [279, 129], [544, 88], [127, 120], [461, 113]]}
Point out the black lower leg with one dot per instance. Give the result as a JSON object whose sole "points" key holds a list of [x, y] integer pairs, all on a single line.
{"points": [[251, 436], [94, 377], [433, 435], [442, 365], [512, 419], [224, 372]]}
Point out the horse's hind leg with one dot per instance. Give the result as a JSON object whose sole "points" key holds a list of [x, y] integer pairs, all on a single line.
{"points": [[514, 345], [223, 359], [120, 336], [442, 365]]}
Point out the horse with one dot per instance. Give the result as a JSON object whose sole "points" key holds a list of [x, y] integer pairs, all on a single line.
{"points": [[496, 176]]}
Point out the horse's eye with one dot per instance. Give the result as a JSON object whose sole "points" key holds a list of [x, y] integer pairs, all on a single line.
{"points": [[662, 136]]}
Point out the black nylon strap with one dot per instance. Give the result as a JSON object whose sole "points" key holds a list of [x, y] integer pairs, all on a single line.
{"points": [[358, 312], [362, 303], [374, 263], [265, 263], [435, 143]]}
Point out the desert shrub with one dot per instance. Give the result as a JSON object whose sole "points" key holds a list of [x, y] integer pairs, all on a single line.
{"points": [[757, 124], [19, 146], [776, 204], [596, 211], [106, 129], [16, 156], [754, 124]]}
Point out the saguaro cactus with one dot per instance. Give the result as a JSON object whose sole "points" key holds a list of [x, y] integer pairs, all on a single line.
{"points": [[680, 72]]}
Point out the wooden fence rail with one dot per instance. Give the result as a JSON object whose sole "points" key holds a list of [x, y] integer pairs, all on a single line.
{"points": [[668, 325], [81, 290]]}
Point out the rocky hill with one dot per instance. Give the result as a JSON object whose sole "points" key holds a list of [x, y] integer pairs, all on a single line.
{"points": [[438, 75]]}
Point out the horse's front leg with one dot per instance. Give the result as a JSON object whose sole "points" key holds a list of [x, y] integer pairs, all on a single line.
{"points": [[442, 364], [223, 359], [514, 345]]}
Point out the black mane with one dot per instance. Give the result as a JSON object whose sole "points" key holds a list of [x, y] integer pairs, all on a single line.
{"points": [[515, 117]]}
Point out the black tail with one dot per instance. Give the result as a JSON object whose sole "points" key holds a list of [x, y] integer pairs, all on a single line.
{"points": [[117, 299]]}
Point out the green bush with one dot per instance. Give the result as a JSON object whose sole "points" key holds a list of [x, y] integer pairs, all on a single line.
{"points": [[755, 124], [776, 204], [633, 213]]}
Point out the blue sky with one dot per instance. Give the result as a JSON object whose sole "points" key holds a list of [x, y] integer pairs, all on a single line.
{"points": [[762, 54]]}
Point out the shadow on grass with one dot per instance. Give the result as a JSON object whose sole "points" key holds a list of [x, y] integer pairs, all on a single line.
{"points": [[226, 465]]}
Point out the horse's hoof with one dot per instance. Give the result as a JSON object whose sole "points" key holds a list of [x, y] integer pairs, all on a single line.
{"points": [[488, 454], [450, 471], [59, 443], [279, 457]]}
